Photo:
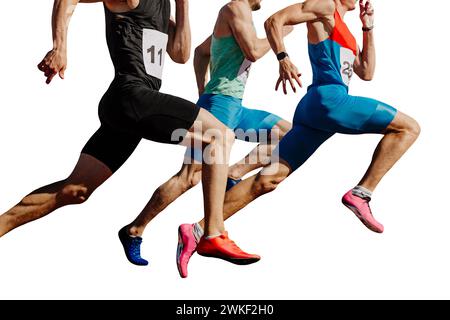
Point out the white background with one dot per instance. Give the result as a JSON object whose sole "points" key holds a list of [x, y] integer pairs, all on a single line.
{"points": [[312, 247]]}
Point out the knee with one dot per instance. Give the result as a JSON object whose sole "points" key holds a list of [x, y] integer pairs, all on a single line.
{"points": [[73, 193], [413, 128], [196, 178], [266, 184], [405, 126], [189, 181], [281, 130]]}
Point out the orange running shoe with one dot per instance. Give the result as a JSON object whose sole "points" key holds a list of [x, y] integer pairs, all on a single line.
{"points": [[224, 248]]}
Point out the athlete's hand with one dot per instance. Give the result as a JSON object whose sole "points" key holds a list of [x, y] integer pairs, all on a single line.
{"points": [[54, 62], [287, 30], [288, 72], [367, 13]]}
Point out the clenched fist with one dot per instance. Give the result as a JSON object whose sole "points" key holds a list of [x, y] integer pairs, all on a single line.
{"points": [[54, 62]]}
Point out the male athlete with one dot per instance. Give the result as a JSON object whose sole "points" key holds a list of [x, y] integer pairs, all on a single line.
{"points": [[230, 50], [138, 34], [327, 108]]}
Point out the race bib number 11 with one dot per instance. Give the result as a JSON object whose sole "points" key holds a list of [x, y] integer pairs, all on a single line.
{"points": [[154, 46]]}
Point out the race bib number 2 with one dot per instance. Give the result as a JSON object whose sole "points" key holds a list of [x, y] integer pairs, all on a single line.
{"points": [[154, 46], [347, 60]]}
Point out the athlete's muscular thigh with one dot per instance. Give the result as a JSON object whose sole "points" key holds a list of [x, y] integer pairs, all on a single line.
{"points": [[121, 5], [88, 174]]}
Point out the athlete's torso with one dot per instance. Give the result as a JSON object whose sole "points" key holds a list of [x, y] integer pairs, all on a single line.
{"points": [[137, 40], [229, 68], [332, 59]]}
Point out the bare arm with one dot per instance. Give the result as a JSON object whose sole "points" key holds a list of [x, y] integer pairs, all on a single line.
{"points": [[55, 61], [365, 62], [308, 11], [201, 62], [179, 46], [240, 20]]}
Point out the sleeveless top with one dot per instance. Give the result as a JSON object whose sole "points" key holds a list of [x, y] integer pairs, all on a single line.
{"points": [[137, 41], [332, 59], [229, 68]]}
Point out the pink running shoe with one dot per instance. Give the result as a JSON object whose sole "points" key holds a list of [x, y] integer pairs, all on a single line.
{"points": [[187, 245], [360, 207]]}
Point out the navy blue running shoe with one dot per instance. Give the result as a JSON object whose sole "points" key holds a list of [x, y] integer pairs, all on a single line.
{"points": [[132, 247]]}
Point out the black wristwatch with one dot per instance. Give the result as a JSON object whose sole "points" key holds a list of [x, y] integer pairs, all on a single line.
{"points": [[282, 55], [367, 29]]}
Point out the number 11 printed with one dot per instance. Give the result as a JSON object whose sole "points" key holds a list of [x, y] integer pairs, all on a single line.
{"points": [[151, 50]]}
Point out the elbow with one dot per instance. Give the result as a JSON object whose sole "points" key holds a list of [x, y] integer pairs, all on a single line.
{"points": [[252, 53], [267, 24], [252, 57], [181, 57], [366, 72], [270, 23], [180, 60], [184, 59], [367, 76], [184, 55], [200, 53]]}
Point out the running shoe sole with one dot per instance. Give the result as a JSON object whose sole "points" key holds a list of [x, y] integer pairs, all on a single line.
{"points": [[240, 262], [180, 248], [361, 218]]}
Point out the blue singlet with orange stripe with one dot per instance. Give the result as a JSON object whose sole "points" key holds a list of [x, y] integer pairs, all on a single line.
{"points": [[327, 108]]}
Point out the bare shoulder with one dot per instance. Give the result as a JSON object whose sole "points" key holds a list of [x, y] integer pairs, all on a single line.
{"points": [[322, 8], [235, 9]]}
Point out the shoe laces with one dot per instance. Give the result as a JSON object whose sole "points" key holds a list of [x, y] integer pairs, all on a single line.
{"points": [[368, 205]]}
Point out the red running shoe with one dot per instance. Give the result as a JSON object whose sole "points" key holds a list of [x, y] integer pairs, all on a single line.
{"points": [[224, 248]]}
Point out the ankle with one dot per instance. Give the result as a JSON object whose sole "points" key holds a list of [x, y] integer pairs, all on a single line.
{"points": [[213, 232], [362, 192], [135, 231], [213, 236]]}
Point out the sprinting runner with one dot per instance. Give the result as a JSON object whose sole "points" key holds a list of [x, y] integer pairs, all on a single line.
{"points": [[326, 109], [138, 33], [230, 50]]}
